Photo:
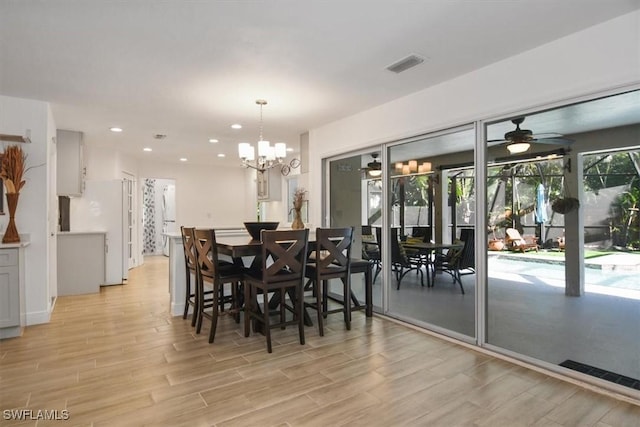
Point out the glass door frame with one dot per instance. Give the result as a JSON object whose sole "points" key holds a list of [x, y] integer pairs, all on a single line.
{"points": [[326, 201]]}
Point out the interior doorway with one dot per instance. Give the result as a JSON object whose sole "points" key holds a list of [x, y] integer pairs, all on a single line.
{"points": [[159, 215]]}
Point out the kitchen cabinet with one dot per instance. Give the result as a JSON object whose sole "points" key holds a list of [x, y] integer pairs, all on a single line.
{"points": [[12, 298], [81, 262], [70, 171], [269, 185]]}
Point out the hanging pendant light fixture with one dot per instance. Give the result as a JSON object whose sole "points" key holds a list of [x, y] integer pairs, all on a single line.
{"points": [[268, 155]]}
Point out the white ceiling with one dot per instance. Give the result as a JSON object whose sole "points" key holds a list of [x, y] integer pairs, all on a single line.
{"points": [[191, 69]]}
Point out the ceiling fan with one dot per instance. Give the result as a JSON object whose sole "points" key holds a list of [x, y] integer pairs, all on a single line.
{"points": [[374, 168], [519, 140]]}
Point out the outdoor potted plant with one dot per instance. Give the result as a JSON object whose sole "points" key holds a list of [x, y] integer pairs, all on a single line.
{"points": [[495, 244]]}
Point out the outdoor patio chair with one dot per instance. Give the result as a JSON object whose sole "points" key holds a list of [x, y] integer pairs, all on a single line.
{"points": [[516, 242]]}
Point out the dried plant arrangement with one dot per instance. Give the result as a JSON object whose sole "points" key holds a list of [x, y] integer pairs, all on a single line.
{"points": [[298, 198], [13, 161]]}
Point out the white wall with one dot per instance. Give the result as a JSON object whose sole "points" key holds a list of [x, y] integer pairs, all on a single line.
{"points": [[599, 58], [17, 115], [206, 196]]}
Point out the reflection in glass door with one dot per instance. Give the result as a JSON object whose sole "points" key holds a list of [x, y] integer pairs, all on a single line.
{"points": [[431, 270], [355, 200]]}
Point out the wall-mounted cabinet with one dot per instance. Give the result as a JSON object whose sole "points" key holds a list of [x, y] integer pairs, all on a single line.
{"points": [[269, 184], [70, 164]]}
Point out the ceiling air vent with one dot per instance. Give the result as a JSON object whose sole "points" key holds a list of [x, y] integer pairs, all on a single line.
{"points": [[405, 63]]}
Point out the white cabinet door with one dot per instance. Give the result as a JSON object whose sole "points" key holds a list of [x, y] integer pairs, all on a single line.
{"points": [[9, 288], [70, 163]]}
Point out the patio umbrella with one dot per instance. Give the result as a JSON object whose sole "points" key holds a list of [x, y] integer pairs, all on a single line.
{"points": [[541, 211], [541, 206]]}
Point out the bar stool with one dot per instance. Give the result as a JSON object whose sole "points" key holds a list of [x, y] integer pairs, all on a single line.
{"points": [[331, 260], [283, 261], [210, 270], [191, 295]]}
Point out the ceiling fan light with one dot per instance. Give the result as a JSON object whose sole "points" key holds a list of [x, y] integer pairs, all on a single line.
{"points": [[518, 147]]}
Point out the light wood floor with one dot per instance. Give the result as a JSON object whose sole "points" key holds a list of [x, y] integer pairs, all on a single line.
{"points": [[118, 358]]}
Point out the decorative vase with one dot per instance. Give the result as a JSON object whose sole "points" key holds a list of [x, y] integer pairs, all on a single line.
{"points": [[11, 234], [297, 220], [496, 245]]}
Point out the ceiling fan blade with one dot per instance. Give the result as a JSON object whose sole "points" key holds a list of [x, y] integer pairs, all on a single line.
{"points": [[553, 141], [548, 135]]}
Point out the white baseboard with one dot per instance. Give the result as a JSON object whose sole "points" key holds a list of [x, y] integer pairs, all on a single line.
{"points": [[36, 318]]}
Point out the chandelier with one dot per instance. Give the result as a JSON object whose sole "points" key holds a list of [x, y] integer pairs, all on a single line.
{"points": [[268, 155]]}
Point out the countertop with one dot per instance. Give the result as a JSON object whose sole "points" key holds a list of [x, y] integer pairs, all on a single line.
{"points": [[75, 233], [13, 245]]}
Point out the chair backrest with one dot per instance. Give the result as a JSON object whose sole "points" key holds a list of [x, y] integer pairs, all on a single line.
{"points": [[398, 254], [370, 245], [422, 231], [467, 257], [284, 255], [207, 252], [333, 250], [189, 249], [513, 234]]}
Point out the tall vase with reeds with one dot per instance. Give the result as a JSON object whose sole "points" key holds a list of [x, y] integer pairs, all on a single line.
{"points": [[298, 201], [11, 172]]}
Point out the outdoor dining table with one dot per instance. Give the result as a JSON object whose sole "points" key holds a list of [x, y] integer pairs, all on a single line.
{"points": [[238, 247], [428, 249]]}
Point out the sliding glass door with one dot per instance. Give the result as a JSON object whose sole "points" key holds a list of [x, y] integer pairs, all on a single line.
{"points": [[431, 217], [563, 241]]}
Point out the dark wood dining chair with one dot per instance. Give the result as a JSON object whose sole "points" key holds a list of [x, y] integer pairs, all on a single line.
{"points": [[190, 264], [211, 271], [283, 265], [403, 263], [459, 261], [331, 259], [371, 247]]}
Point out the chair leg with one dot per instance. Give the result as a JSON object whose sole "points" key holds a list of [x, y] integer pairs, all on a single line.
{"points": [[248, 303], [214, 314], [235, 304], [299, 304], [188, 297], [459, 280], [199, 308], [319, 306], [267, 326], [347, 301]]}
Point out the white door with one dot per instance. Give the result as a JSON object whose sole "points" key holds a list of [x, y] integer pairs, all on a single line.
{"points": [[52, 219], [128, 222]]}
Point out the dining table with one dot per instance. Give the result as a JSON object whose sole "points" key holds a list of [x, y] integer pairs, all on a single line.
{"points": [[429, 250], [240, 246]]}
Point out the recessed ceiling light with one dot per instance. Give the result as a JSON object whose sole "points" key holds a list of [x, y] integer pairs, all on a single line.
{"points": [[221, 155], [115, 129], [213, 140], [147, 149], [289, 149], [183, 159], [236, 126]]}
